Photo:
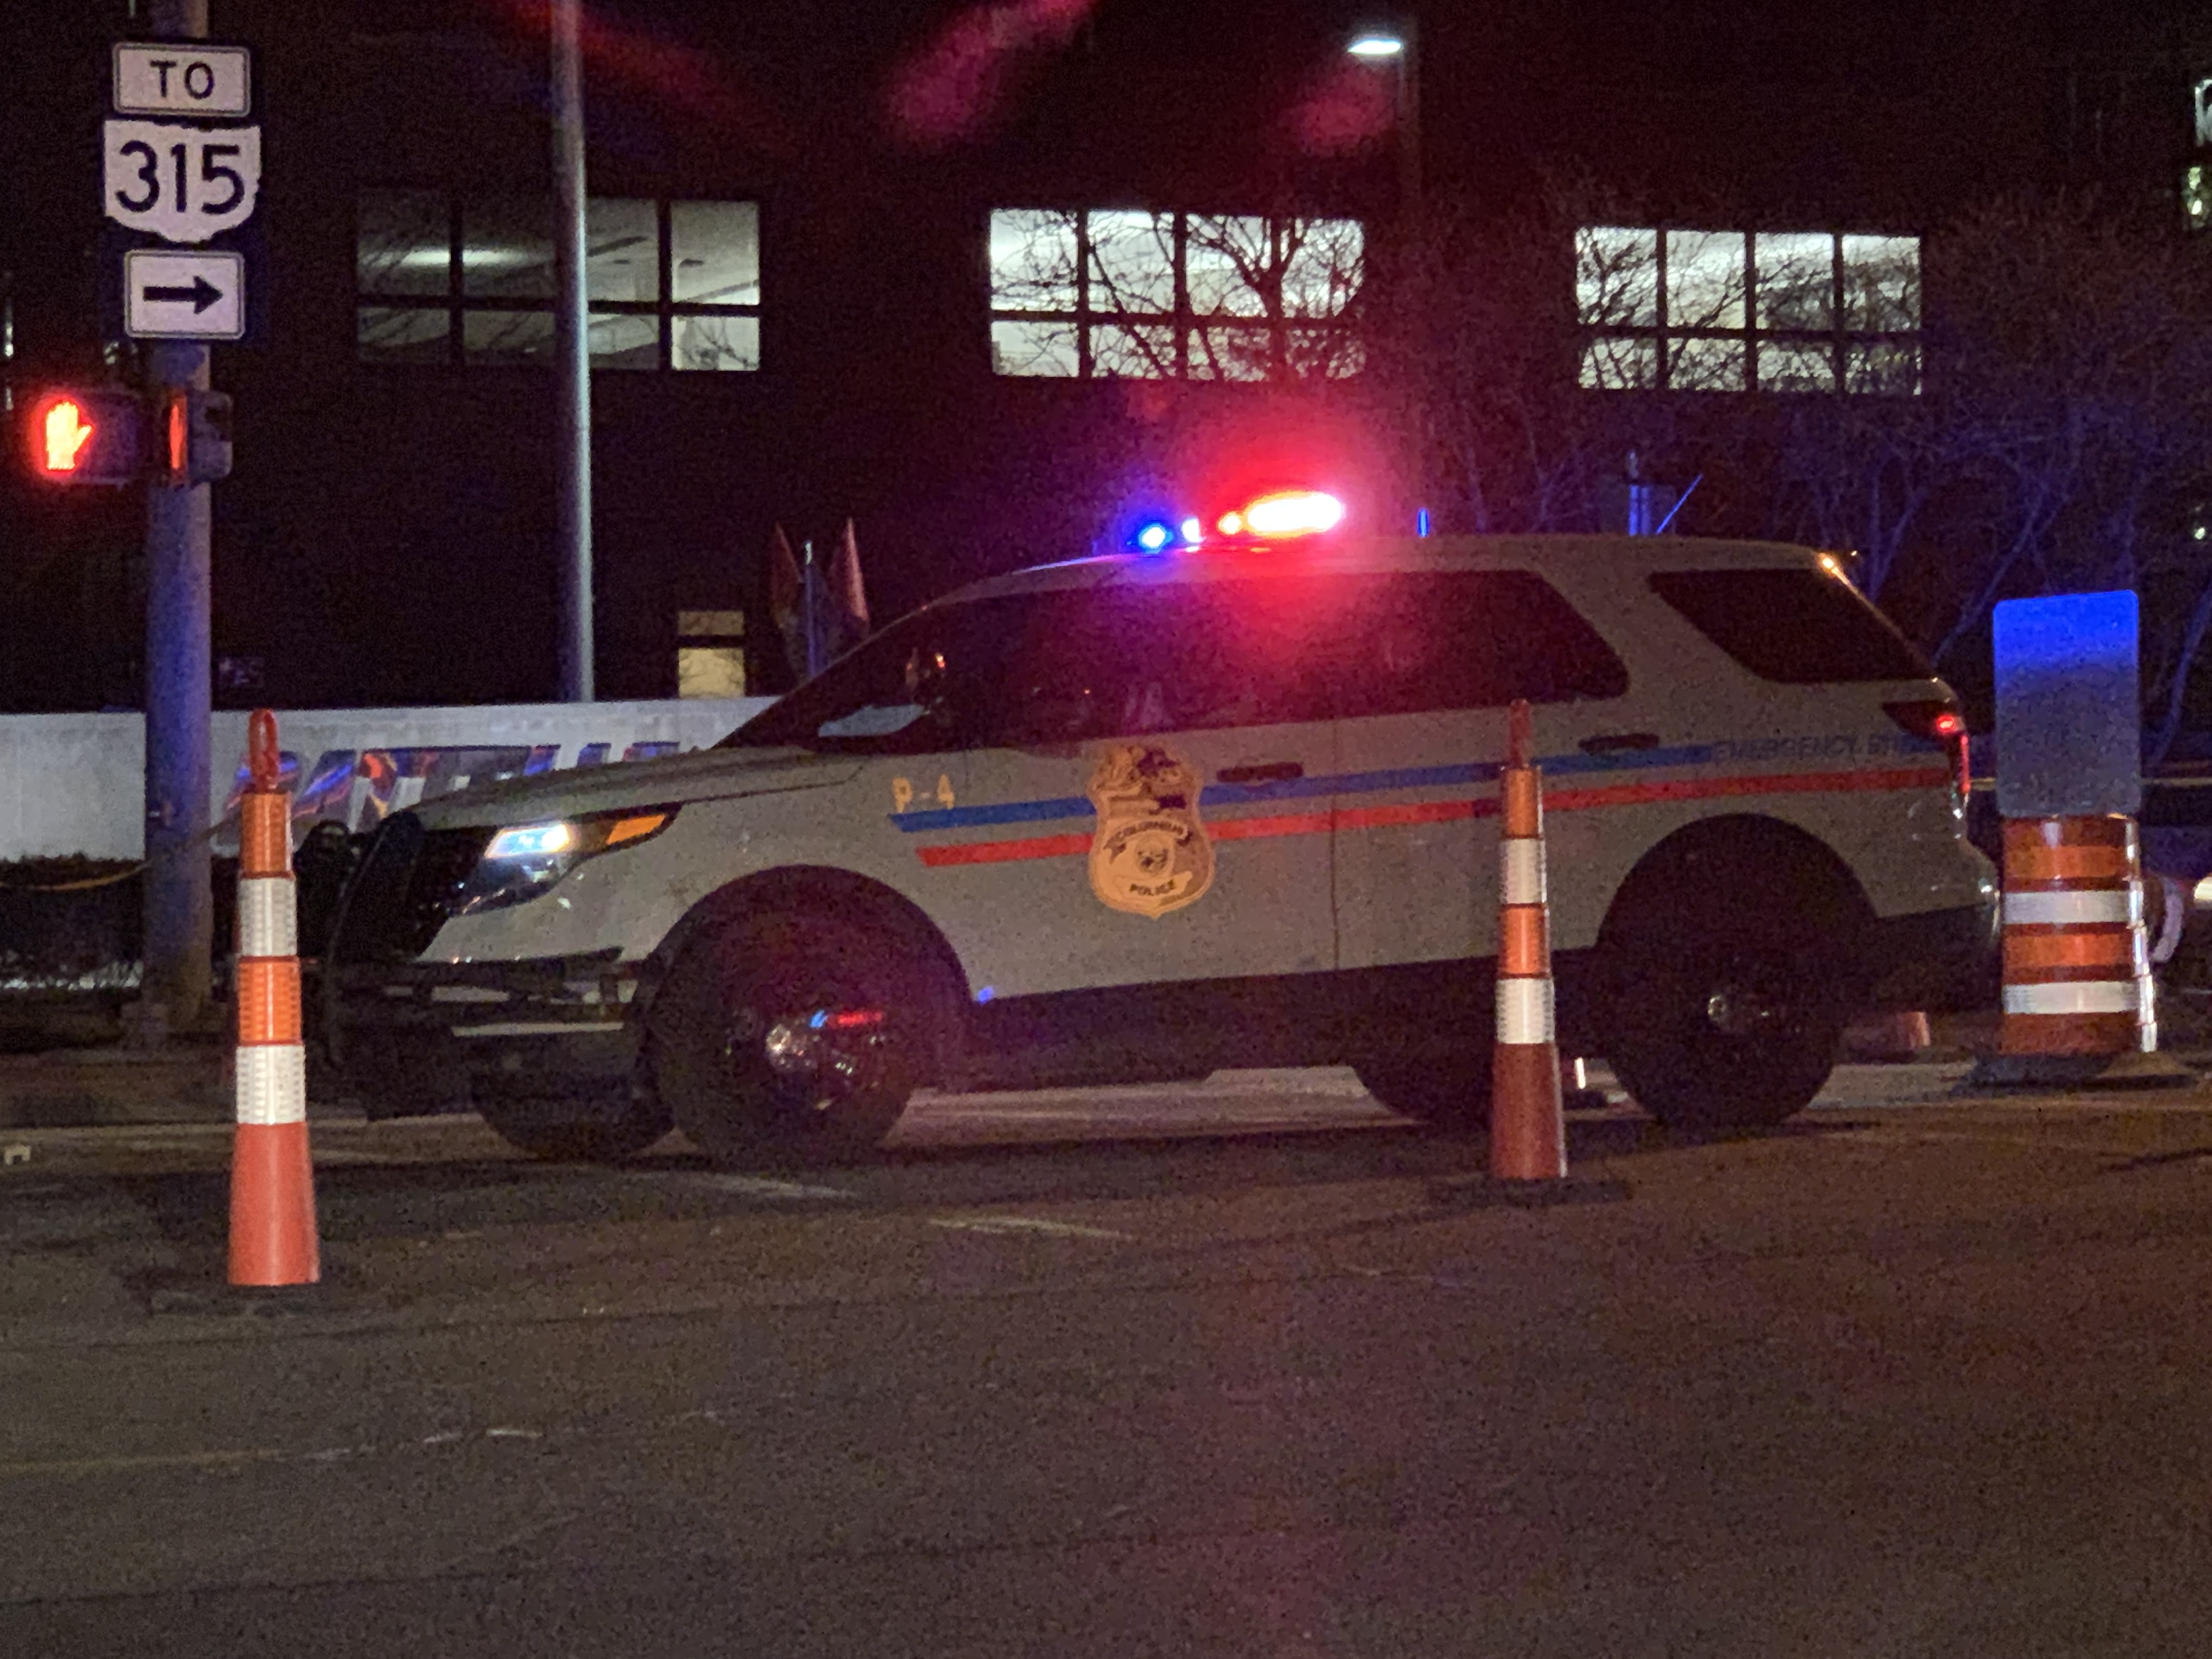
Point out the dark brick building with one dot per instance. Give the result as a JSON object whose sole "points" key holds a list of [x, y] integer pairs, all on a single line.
{"points": [[983, 278]]}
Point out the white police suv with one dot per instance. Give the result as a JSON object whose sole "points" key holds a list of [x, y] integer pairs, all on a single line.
{"points": [[1233, 803]]}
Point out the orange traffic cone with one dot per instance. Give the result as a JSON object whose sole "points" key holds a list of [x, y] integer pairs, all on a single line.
{"points": [[273, 1181], [1528, 1125]]}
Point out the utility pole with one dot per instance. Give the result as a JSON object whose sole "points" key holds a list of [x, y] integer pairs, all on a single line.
{"points": [[178, 941], [572, 351]]}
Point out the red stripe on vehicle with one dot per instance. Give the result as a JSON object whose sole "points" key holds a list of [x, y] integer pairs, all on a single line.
{"points": [[1293, 823], [1785, 783], [1006, 852], [1395, 814], [1415, 811]]}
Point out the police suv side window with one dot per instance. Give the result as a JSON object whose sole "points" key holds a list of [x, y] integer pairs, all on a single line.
{"points": [[1419, 641], [1087, 663]]}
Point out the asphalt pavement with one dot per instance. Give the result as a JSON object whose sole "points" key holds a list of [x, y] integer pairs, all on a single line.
{"points": [[1222, 1369]]}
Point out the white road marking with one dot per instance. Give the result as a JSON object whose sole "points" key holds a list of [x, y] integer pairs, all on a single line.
{"points": [[1024, 1223], [747, 1186]]}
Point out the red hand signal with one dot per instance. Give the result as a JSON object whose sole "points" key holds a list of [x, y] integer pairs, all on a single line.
{"points": [[65, 432]]}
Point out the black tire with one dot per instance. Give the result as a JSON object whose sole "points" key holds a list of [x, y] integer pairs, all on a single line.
{"points": [[567, 1129], [755, 983], [1723, 1016], [1450, 1095]]}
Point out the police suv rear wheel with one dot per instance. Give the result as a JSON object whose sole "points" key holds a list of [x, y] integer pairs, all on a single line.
{"points": [[1722, 1021], [789, 1038]]}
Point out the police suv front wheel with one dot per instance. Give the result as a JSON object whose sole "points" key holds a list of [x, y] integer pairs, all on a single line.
{"points": [[611, 1127], [789, 1038]]}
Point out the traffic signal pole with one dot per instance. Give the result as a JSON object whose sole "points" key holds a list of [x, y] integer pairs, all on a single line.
{"points": [[178, 941]]}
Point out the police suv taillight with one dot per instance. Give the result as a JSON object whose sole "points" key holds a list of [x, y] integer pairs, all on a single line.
{"points": [[1937, 720]]}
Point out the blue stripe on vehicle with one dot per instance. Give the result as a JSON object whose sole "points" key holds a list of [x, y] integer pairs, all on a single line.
{"points": [[1461, 774], [1631, 760], [1010, 811]]}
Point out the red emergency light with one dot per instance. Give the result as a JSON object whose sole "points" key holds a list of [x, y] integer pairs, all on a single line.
{"points": [[1282, 513]]}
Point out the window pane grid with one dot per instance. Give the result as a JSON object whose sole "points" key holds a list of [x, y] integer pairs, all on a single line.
{"points": [[447, 279], [1669, 308], [1124, 292]]}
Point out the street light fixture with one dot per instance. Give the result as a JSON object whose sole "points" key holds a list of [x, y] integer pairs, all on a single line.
{"points": [[1377, 46]]}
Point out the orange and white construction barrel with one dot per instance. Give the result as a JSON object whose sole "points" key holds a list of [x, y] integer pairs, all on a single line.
{"points": [[2077, 978], [1528, 1125], [272, 1194]]}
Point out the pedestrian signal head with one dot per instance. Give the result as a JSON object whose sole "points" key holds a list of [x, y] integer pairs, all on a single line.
{"points": [[84, 437]]}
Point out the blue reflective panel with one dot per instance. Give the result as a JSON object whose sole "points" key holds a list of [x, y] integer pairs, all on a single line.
{"points": [[2068, 705]]}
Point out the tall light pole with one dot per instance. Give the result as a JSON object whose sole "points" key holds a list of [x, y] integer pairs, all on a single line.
{"points": [[572, 351], [1399, 49], [1399, 46]]}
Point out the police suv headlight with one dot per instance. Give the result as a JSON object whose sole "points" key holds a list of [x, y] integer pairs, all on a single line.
{"points": [[525, 860]]}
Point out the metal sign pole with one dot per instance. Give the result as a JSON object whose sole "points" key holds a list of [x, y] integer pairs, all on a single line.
{"points": [[178, 917], [572, 351]]}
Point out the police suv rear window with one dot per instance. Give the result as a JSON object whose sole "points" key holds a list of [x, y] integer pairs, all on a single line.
{"points": [[1795, 627]]}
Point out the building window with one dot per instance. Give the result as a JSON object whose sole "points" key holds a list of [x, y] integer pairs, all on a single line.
{"points": [[710, 653], [1739, 311], [1144, 295], [2196, 196], [670, 284]]}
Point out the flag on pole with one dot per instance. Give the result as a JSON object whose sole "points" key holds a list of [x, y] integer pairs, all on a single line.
{"points": [[785, 601], [846, 593]]}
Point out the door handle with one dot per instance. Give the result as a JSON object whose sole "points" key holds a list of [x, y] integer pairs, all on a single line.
{"points": [[1615, 743], [1273, 772]]}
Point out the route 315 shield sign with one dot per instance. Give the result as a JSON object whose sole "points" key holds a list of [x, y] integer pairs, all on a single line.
{"points": [[182, 184]]}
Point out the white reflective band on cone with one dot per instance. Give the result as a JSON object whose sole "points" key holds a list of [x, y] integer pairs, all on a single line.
{"points": [[268, 917], [1520, 863], [1524, 1011], [272, 1084], [2086, 996], [2097, 905]]}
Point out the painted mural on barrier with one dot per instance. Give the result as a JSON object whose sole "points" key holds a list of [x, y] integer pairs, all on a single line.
{"points": [[74, 785], [359, 788]]}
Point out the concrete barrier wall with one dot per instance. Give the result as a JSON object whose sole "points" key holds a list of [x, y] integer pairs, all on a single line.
{"points": [[75, 784]]}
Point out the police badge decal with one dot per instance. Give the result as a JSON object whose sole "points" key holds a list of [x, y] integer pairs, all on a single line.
{"points": [[1150, 854]]}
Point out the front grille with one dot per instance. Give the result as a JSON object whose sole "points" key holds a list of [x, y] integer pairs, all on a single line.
{"points": [[406, 888]]}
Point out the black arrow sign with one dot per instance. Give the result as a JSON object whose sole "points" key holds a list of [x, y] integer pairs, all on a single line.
{"points": [[200, 295]]}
